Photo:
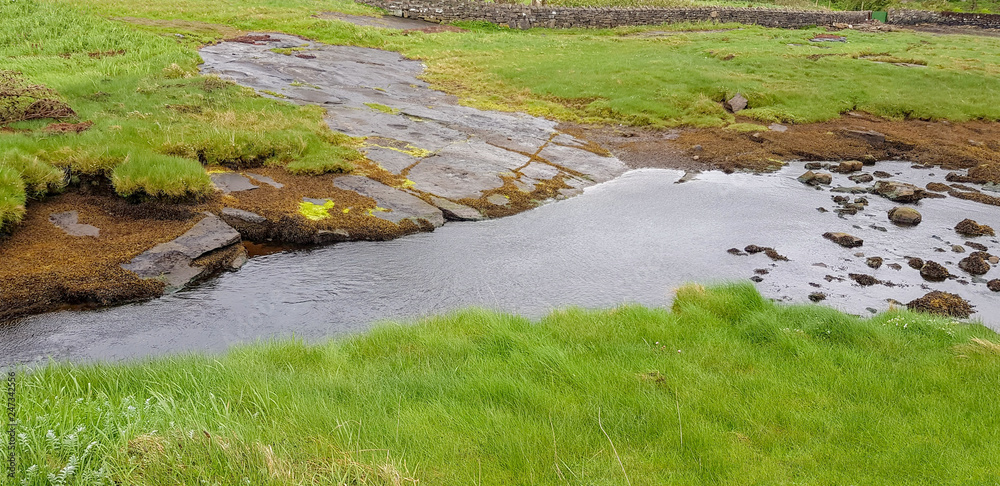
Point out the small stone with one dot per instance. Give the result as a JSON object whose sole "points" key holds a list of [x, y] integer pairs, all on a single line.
{"points": [[850, 190], [904, 216], [881, 174], [756, 278], [849, 166], [735, 251], [895, 266], [861, 200], [933, 271], [958, 248], [915, 263], [813, 166], [937, 187], [874, 262], [994, 285], [864, 280], [840, 199], [977, 246], [736, 103], [861, 178], [817, 296], [968, 227], [844, 239], [815, 179]]}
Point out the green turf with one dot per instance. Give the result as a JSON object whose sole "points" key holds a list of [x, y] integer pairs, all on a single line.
{"points": [[146, 100], [728, 388]]}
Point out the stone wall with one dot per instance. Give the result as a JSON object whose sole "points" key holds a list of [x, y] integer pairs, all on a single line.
{"points": [[525, 16], [913, 17]]}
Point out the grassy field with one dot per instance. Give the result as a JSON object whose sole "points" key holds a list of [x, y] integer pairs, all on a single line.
{"points": [[725, 388], [130, 68]]}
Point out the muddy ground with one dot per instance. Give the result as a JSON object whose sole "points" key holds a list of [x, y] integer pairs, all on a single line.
{"points": [[854, 136]]}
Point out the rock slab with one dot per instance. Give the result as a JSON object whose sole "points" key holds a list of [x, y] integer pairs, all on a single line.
{"points": [[173, 261], [68, 222], [401, 205]]}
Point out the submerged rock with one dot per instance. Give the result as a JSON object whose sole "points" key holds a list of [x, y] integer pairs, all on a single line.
{"points": [[863, 279], [861, 178], [455, 211], [942, 303], [994, 285], [817, 296], [904, 216], [968, 227], [844, 239]]}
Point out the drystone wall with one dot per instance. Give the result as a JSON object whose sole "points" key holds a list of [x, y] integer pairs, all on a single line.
{"points": [[914, 17], [528, 16]]}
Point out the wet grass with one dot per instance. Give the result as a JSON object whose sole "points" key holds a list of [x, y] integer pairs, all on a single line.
{"points": [[725, 388]]}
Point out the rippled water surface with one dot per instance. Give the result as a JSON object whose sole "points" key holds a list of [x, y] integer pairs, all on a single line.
{"points": [[633, 239]]}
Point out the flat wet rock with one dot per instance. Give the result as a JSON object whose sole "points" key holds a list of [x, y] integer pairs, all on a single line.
{"points": [[68, 222], [229, 182], [447, 150], [398, 205]]}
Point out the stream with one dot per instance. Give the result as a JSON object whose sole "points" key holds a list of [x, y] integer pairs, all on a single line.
{"points": [[633, 239]]}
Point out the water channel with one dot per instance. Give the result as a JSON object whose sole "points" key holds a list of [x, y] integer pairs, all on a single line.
{"points": [[632, 239]]}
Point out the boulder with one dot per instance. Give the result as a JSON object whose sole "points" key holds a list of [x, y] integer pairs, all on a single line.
{"points": [[815, 179], [934, 271], [898, 191], [844, 239], [994, 285], [942, 303], [904, 216], [874, 262], [915, 263], [817, 296], [968, 227], [736, 103], [863, 279]]}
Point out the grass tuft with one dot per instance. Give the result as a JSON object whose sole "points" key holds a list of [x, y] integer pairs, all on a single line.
{"points": [[159, 175]]}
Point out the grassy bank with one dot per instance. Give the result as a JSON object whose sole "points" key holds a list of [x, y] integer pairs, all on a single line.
{"points": [[725, 388], [140, 117]]}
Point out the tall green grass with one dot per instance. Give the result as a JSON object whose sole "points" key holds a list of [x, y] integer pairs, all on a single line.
{"points": [[727, 388], [143, 94]]}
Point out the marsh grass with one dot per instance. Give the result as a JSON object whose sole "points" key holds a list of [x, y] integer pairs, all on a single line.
{"points": [[725, 388], [143, 94]]}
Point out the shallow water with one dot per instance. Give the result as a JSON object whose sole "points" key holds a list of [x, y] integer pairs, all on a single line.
{"points": [[633, 239]]}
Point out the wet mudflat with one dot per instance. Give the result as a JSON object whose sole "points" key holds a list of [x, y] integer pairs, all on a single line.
{"points": [[632, 239]]}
